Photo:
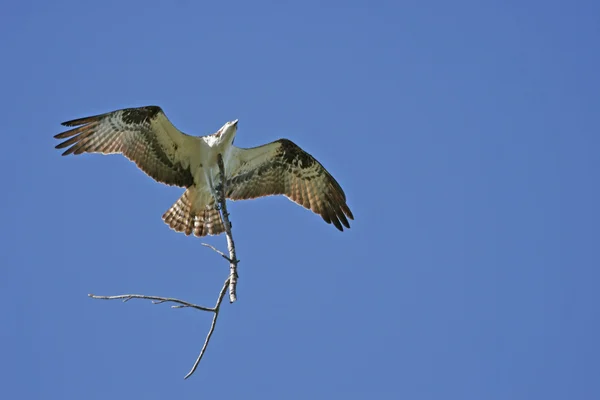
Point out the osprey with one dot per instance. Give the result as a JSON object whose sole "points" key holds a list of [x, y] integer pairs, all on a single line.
{"points": [[145, 136]]}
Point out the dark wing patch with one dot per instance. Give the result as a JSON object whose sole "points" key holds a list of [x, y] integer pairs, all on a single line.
{"points": [[130, 132], [292, 172]]}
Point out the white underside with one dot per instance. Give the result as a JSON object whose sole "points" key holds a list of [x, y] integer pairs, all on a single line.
{"points": [[200, 155]]}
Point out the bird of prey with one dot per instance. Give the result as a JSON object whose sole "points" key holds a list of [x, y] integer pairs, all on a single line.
{"points": [[145, 136]]}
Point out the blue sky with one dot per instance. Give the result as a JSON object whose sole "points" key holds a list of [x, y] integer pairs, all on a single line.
{"points": [[465, 135]]}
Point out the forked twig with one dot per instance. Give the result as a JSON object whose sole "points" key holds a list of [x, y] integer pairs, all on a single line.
{"points": [[181, 304]]}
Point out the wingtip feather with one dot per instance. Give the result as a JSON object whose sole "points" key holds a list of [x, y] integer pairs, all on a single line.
{"points": [[82, 121], [73, 122], [347, 211], [343, 219], [64, 135], [67, 152], [336, 223]]}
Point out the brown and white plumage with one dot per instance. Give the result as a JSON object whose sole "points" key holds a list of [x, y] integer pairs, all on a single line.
{"points": [[145, 136], [281, 167]]}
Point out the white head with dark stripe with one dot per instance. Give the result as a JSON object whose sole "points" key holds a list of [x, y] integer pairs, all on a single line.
{"points": [[226, 133]]}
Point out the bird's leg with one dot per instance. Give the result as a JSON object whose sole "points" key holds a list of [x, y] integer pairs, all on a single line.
{"points": [[216, 191], [221, 188]]}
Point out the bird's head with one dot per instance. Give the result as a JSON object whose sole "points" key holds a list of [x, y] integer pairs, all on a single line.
{"points": [[227, 132]]}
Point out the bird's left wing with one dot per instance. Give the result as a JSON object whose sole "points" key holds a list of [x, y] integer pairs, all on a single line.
{"points": [[144, 135], [281, 167]]}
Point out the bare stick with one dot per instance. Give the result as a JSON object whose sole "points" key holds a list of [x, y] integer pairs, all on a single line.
{"points": [[156, 300], [212, 328], [216, 250], [233, 261], [180, 304]]}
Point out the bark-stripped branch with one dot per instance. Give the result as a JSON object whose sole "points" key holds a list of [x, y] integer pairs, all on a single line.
{"points": [[155, 300], [230, 282], [180, 304], [233, 261]]}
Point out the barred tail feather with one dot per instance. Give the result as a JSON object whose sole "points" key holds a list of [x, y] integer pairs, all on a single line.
{"points": [[182, 217]]}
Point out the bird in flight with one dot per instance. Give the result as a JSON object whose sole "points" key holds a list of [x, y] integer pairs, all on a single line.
{"points": [[145, 136]]}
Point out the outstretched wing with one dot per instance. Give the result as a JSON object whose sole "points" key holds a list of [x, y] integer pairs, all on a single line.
{"points": [[144, 135], [281, 167]]}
